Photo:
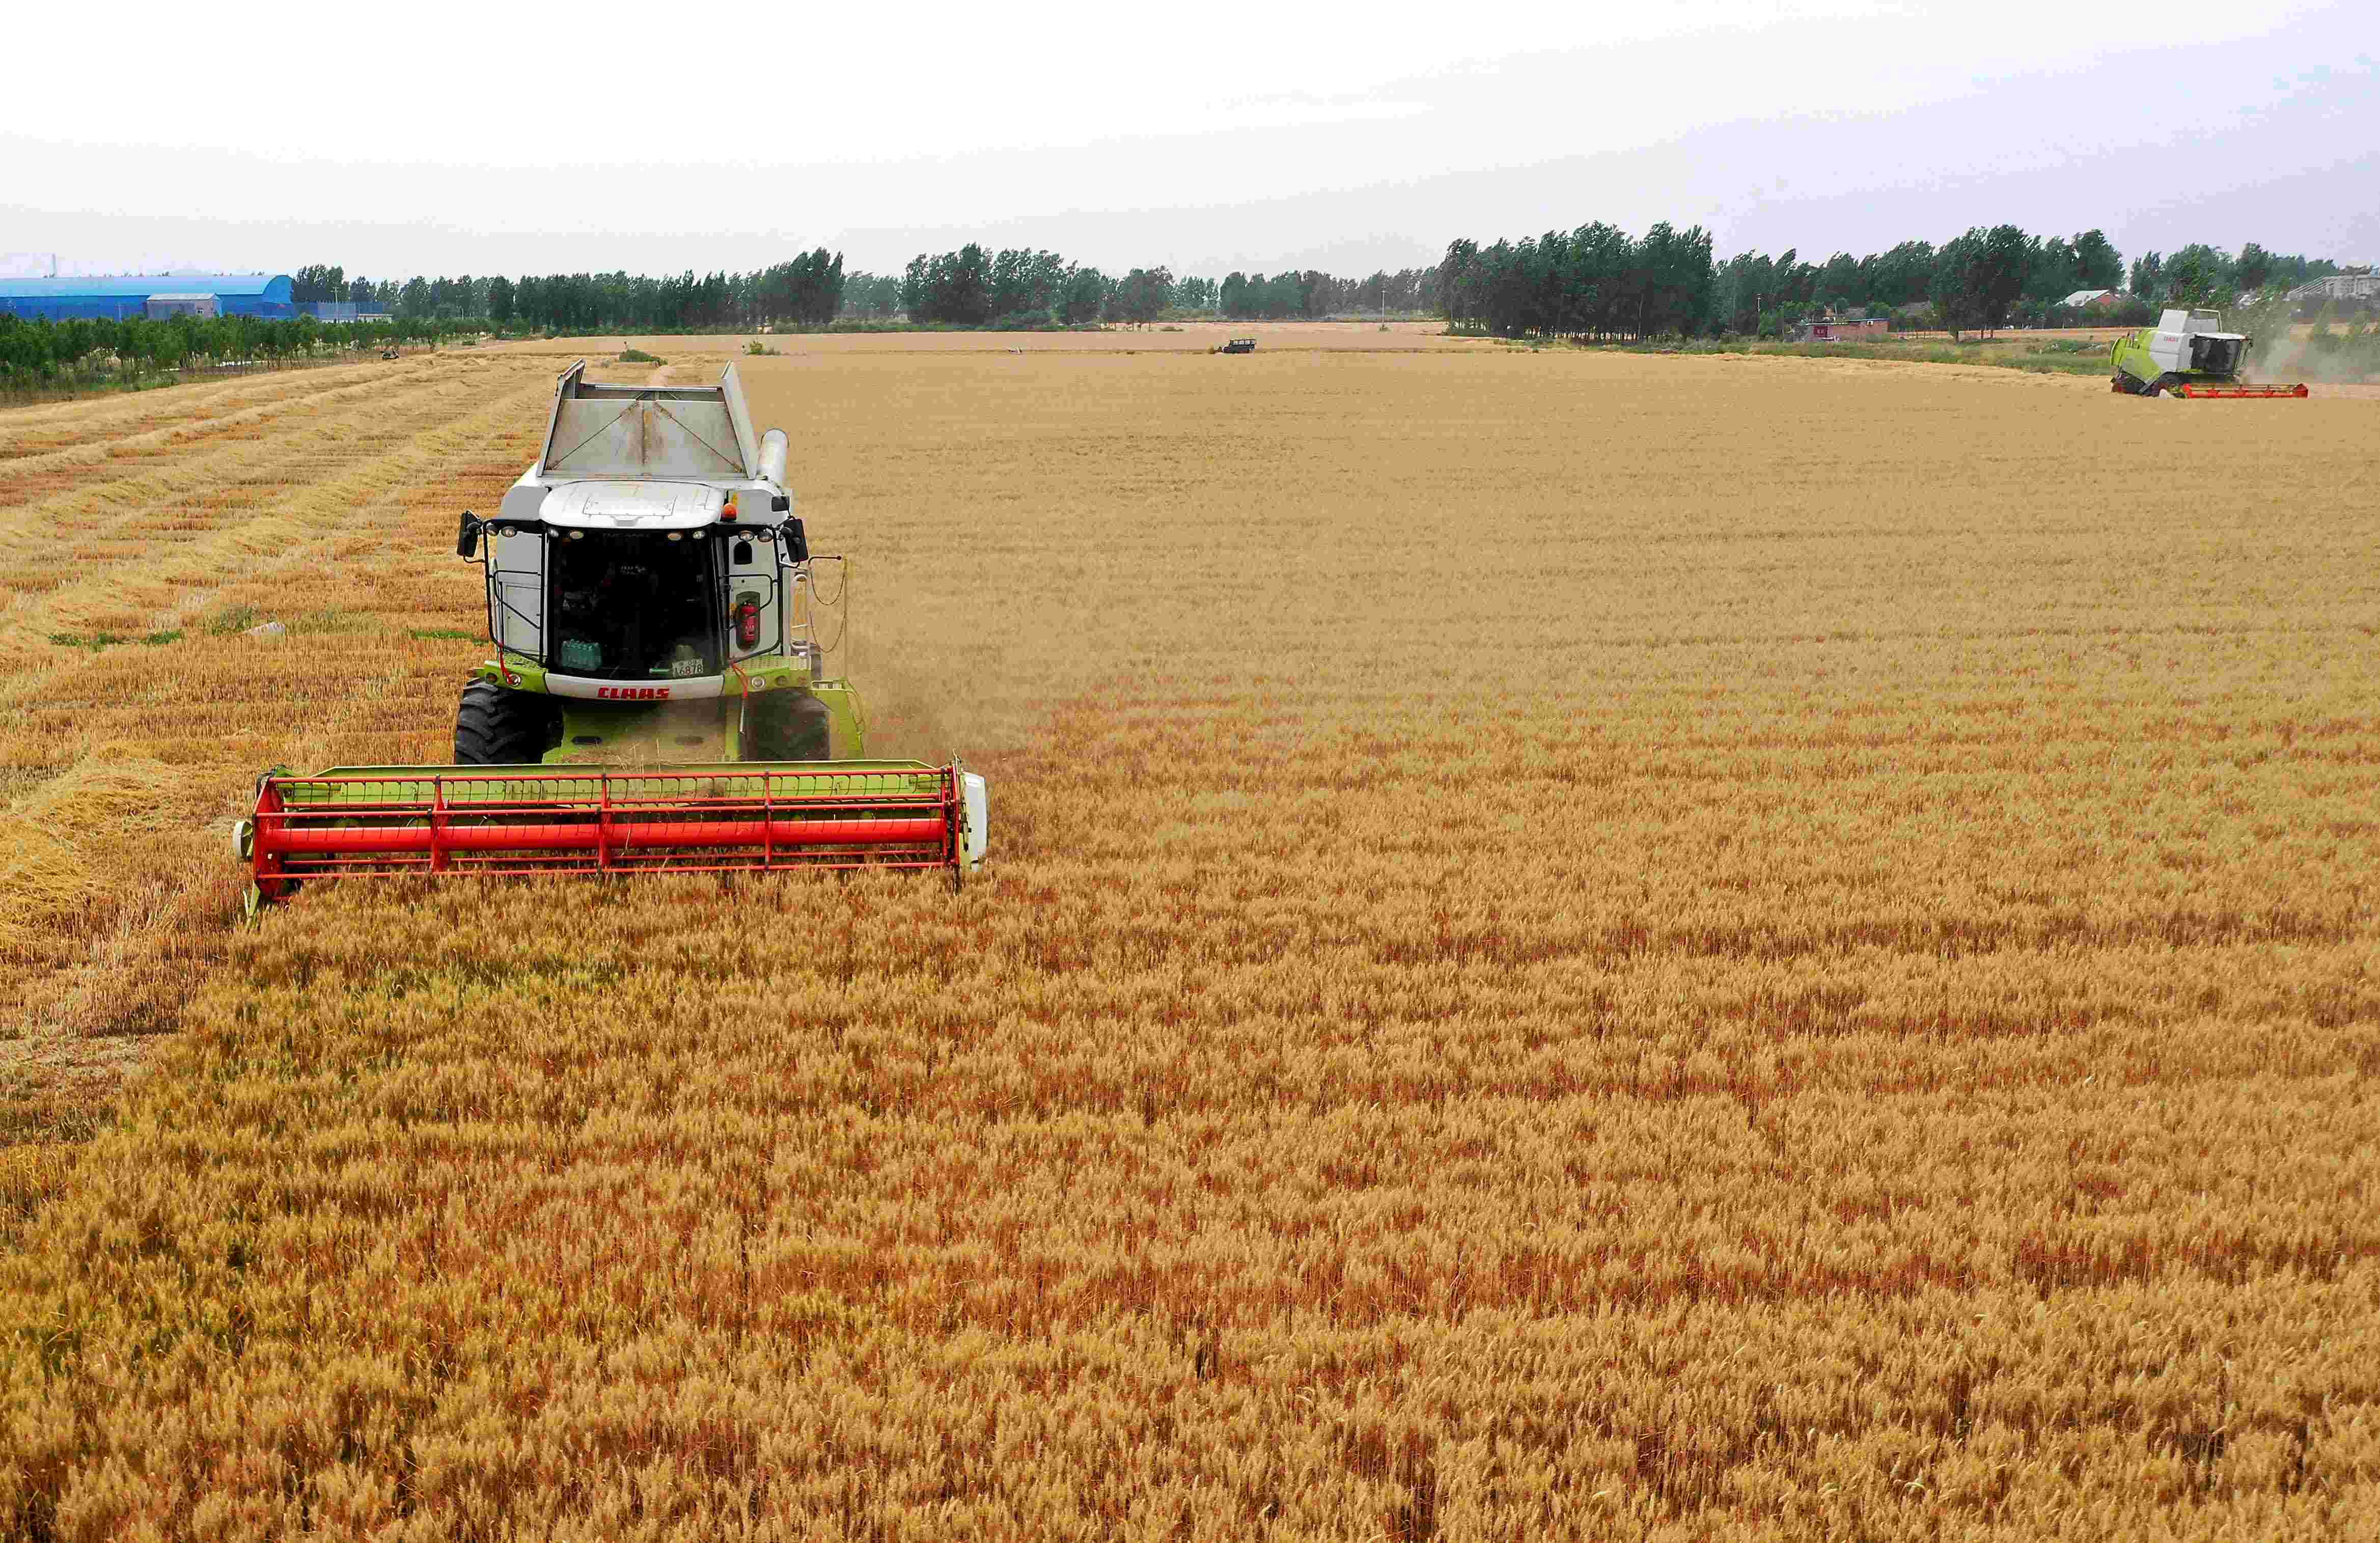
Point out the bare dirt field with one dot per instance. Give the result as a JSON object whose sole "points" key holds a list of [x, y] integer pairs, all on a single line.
{"points": [[1580, 945]]}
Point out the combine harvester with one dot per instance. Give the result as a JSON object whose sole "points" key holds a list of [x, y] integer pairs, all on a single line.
{"points": [[658, 701], [2188, 354]]}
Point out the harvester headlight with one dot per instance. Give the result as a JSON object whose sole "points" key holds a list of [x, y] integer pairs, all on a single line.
{"points": [[579, 535], [677, 535], [699, 534]]}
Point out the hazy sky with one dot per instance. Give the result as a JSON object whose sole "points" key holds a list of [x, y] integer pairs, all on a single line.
{"points": [[463, 139]]}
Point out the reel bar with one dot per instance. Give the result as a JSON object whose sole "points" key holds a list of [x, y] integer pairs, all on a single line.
{"points": [[573, 819], [602, 832]]}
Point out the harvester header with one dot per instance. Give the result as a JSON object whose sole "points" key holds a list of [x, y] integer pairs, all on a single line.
{"points": [[726, 818], [659, 699]]}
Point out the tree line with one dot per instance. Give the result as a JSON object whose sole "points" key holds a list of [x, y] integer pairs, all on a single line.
{"points": [[973, 287], [1598, 282], [1594, 282], [2200, 274], [1313, 293], [805, 291], [1997, 276], [37, 352]]}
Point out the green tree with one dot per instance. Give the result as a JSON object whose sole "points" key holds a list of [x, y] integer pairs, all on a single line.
{"points": [[1745, 288], [870, 295], [1143, 294], [2052, 273], [131, 346], [2148, 277], [1458, 277], [1025, 283], [2200, 276], [950, 288], [820, 294], [1999, 273], [1957, 290], [316, 282], [1084, 291], [1840, 282], [1901, 277], [1676, 281], [2254, 268], [2097, 264]]}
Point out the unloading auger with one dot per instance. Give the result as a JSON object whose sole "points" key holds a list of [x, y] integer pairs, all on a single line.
{"points": [[658, 701]]}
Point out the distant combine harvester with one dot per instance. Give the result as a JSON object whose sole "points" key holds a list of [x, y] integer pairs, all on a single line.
{"points": [[1827, 329]]}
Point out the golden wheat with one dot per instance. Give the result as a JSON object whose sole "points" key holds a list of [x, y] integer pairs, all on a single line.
{"points": [[1580, 946]]}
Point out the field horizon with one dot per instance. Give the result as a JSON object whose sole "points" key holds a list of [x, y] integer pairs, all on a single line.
{"points": [[1578, 944]]}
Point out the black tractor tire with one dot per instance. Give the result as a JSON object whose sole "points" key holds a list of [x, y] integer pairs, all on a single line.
{"points": [[496, 727], [785, 726]]}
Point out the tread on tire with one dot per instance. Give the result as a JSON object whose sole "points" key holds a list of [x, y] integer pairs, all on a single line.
{"points": [[496, 727]]}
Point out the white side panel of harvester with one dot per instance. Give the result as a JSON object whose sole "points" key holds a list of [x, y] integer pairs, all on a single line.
{"points": [[754, 578], [2168, 345], [517, 590]]}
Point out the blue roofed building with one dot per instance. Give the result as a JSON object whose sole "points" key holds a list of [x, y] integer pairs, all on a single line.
{"points": [[113, 299]]}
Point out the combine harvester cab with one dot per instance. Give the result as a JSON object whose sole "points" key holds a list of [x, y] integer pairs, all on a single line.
{"points": [[659, 700], [2188, 354]]}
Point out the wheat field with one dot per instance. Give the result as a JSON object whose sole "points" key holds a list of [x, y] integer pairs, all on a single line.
{"points": [[1578, 945]]}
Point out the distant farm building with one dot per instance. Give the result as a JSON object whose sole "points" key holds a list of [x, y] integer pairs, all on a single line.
{"points": [[2092, 299], [113, 299], [2352, 285], [1829, 330], [163, 305], [343, 311]]}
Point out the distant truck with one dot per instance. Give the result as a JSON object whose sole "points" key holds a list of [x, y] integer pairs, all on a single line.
{"points": [[1239, 346]]}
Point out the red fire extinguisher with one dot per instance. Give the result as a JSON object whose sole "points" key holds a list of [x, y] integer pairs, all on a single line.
{"points": [[747, 619]]}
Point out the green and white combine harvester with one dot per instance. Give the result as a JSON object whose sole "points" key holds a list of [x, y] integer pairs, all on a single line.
{"points": [[2188, 354], [659, 700]]}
